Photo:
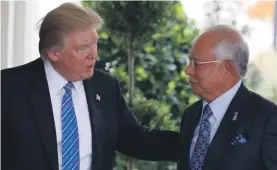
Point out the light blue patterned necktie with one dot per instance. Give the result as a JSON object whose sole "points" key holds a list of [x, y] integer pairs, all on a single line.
{"points": [[70, 137], [202, 144]]}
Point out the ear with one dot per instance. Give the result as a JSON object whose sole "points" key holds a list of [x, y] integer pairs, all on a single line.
{"points": [[53, 55], [227, 67]]}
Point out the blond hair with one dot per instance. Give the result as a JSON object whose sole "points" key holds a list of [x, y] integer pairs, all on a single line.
{"points": [[62, 20]]}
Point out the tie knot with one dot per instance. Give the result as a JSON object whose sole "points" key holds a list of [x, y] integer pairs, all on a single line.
{"points": [[207, 112], [68, 86]]}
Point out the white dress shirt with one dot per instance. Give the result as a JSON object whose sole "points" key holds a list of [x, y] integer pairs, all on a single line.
{"points": [[219, 107], [56, 83]]}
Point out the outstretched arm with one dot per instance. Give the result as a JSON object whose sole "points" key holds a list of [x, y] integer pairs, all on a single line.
{"points": [[140, 141]]}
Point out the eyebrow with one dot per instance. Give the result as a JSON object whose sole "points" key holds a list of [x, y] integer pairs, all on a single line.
{"points": [[88, 43], [84, 45]]}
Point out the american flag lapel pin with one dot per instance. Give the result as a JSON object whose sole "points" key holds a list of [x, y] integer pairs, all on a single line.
{"points": [[98, 98], [235, 116]]}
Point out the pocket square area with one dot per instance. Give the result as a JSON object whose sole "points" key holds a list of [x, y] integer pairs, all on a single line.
{"points": [[238, 139]]}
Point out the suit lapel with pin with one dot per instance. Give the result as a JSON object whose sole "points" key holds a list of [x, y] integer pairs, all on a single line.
{"points": [[232, 121], [93, 94]]}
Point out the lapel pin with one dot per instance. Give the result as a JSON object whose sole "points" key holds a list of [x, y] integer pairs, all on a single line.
{"points": [[235, 116], [98, 97]]}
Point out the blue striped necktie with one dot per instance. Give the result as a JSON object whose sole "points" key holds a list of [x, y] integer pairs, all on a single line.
{"points": [[70, 137], [202, 143]]}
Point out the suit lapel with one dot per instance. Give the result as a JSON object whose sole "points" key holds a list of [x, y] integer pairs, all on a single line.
{"points": [[227, 129], [43, 114], [95, 119], [189, 125]]}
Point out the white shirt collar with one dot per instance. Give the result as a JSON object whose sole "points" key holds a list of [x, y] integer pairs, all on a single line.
{"points": [[55, 80], [220, 105]]}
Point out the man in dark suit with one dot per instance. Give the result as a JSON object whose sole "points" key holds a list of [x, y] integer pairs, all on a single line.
{"points": [[58, 112], [230, 128]]}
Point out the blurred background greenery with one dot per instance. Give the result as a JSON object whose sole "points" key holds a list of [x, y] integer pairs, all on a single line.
{"points": [[144, 44]]}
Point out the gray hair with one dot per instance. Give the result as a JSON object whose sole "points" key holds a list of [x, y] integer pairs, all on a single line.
{"points": [[228, 49]]}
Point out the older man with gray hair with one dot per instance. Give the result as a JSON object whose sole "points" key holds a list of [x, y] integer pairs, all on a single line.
{"points": [[230, 128]]}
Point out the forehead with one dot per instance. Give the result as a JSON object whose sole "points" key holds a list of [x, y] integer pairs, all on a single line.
{"points": [[203, 48], [82, 36]]}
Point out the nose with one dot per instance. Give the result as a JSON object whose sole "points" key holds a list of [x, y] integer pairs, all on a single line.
{"points": [[189, 70], [93, 52]]}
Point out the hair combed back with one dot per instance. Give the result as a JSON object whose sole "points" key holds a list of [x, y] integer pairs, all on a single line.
{"points": [[62, 20], [231, 46], [235, 51]]}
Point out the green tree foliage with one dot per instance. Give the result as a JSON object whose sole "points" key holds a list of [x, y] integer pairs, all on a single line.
{"points": [[160, 42], [160, 63], [135, 22]]}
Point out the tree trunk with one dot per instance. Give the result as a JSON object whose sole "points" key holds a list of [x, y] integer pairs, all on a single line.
{"points": [[131, 70], [130, 161]]}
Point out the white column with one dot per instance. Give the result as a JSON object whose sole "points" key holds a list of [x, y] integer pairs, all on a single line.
{"points": [[4, 36], [7, 21], [13, 33], [31, 32], [18, 33]]}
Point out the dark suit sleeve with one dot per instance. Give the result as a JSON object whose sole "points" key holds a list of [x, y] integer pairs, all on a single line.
{"points": [[269, 147], [142, 142], [7, 158], [4, 143]]}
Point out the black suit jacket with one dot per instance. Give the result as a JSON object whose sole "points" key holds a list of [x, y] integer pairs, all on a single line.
{"points": [[256, 122], [28, 129]]}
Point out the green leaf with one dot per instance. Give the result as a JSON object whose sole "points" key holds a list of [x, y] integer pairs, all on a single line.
{"points": [[104, 35]]}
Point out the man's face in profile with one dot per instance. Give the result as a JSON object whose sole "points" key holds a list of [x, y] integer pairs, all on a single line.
{"points": [[207, 78]]}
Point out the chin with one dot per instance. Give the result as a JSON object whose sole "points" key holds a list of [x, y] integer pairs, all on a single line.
{"points": [[196, 90], [90, 74]]}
